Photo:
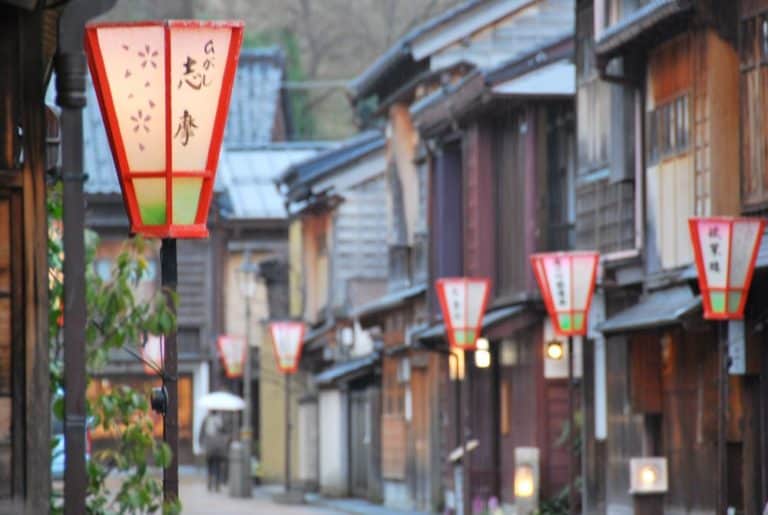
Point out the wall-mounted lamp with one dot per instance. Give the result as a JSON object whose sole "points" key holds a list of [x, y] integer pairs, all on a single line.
{"points": [[555, 349], [526, 485], [648, 476], [482, 353]]}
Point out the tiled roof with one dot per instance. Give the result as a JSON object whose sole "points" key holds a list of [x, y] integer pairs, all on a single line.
{"points": [[250, 122], [248, 178]]}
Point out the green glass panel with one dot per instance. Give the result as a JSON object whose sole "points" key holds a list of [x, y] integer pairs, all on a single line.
{"points": [[186, 197], [565, 321], [578, 321], [717, 299], [464, 337], [150, 196], [734, 299]]}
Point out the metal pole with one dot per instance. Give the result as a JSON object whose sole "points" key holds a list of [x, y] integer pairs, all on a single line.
{"points": [[466, 477], [571, 437], [246, 435], [287, 432], [722, 418], [169, 280], [70, 82]]}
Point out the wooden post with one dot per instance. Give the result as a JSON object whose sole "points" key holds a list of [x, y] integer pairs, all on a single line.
{"points": [[287, 432], [722, 418], [169, 280]]}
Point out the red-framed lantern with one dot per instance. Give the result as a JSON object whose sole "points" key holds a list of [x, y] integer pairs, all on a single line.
{"points": [[232, 353], [153, 354], [463, 301], [287, 342], [725, 249], [567, 282], [164, 89]]}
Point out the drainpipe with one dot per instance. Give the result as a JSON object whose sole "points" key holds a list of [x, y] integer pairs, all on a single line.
{"points": [[70, 96]]}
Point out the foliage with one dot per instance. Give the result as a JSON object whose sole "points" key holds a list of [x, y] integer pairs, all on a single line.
{"points": [[116, 319], [558, 505]]}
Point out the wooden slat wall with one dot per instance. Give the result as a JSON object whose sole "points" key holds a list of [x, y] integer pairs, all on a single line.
{"points": [[479, 241], [393, 447]]}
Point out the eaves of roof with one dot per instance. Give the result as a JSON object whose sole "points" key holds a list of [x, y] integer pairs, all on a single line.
{"points": [[299, 177], [476, 89], [400, 53], [651, 17]]}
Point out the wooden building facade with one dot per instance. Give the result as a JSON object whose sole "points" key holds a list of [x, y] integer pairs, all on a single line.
{"points": [[28, 34]]}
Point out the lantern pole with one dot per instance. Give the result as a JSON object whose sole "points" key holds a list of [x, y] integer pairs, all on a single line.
{"points": [[169, 281], [722, 416], [287, 432], [571, 437]]}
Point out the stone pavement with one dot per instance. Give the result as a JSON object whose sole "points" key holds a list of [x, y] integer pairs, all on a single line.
{"points": [[197, 500]]}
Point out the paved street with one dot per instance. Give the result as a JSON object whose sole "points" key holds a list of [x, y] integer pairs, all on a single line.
{"points": [[197, 500]]}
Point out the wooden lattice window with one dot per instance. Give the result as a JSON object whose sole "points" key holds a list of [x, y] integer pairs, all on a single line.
{"points": [[753, 48]]}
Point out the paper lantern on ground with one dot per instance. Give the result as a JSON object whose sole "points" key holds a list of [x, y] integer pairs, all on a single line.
{"points": [[287, 341], [463, 301], [164, 91], [725, 250], [567, 282]]}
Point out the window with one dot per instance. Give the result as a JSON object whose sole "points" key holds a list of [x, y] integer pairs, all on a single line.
{"points": [[753, 50], [668, 129]]}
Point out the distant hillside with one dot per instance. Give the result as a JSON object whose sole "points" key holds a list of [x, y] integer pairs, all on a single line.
{"points": [[324, 40]]}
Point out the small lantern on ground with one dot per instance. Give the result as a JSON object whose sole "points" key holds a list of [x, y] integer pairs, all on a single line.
{"points": [[725, 249], [567, 282], [526, 480], [648, 475]]}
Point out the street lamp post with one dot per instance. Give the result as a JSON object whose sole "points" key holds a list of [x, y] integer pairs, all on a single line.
{"points": [[725, 249], [164, 90], [463, 301], [247, 282], [567, 282], [287, 342]]}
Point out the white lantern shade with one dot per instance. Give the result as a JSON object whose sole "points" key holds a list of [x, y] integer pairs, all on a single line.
{"points": [[287, 341], [463, 301]]}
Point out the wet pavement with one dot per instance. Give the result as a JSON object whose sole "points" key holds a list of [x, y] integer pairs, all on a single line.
{"points": [[197, 500]]}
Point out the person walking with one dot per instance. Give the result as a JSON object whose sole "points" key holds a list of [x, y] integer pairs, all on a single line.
{"points": [[215, 441]]}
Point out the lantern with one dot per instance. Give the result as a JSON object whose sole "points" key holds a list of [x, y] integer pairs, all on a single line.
{"points": [[164, 90], [725, 250], [152, 354], [232, 352], [287, 340], [567, 281], [463, 301], [648, 475]]}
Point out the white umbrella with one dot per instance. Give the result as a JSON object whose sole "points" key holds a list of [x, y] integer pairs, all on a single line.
{"points": [[221, 401]]}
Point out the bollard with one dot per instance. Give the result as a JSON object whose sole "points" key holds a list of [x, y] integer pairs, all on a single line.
{"points": [[236, 472]]}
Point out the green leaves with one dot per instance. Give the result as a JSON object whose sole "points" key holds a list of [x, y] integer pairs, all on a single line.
{"points": [[118, 317]]}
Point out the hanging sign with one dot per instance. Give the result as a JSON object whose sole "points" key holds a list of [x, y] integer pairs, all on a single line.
{"points": [[567, 282], [287, 341], [232, 354], [463, 301], [726, 250]]}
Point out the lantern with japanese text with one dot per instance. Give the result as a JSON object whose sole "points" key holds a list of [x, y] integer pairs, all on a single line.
{"points": [[567, 281], [463, 301], [164, 91], [287, 340], [153, 354], [726, 250], [232, 354]]}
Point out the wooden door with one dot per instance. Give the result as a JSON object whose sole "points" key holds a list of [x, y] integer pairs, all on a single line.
{"points": [[11, 355], [359, 442]]}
